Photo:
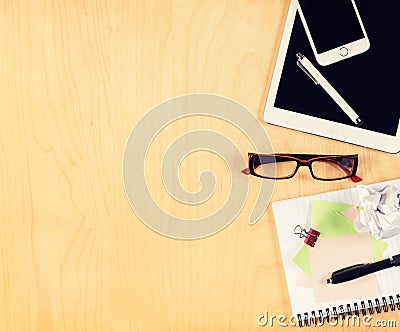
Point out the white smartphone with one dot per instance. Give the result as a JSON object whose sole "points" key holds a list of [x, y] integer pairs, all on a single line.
{"points": [[334, 29]]}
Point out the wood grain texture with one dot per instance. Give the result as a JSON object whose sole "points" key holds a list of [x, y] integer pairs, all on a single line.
{"points": [[76, 76], [55, 177]]}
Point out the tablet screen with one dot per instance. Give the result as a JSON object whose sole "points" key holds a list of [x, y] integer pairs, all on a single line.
{"points": [[369, 82]]}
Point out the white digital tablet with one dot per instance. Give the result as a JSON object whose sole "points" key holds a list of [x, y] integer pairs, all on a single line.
{"points": [[368, 82]]}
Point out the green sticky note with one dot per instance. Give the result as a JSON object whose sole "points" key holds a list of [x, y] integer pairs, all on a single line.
{"points": [[326, 217], [378, 248], [302, 259]]}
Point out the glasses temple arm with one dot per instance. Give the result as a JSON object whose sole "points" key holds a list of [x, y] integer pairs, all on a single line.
{"points": [[246, 171]]}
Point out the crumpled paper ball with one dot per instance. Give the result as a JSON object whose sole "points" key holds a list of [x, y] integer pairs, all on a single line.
{"points": [[381, 210]]}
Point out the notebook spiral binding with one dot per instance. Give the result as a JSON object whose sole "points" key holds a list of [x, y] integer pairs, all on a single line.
{"points": [[364, 307]]}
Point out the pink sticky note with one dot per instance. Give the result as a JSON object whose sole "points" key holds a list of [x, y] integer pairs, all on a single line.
{"points": [[334, 253], [351, 213], [304, 280]]}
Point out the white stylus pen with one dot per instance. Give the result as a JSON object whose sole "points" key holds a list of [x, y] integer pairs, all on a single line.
{"points": [[318, 79]]}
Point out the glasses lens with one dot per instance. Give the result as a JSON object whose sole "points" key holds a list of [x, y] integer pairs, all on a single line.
{"points": [[274, 167], [333, 168]]}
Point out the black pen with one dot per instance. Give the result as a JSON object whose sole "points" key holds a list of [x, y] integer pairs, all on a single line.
{"points": [[360, 270]]}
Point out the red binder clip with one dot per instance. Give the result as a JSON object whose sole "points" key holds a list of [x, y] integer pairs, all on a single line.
{"points": [[310, 237]]}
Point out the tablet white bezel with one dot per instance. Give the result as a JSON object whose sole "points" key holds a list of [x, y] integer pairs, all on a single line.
{"points": [[317, 126]]}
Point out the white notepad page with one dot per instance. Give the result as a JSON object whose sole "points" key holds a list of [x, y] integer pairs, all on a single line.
{"points": [[292, 212]]}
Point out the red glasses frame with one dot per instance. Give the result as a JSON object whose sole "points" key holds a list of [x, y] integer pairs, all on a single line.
{"points": [[304, 160]]}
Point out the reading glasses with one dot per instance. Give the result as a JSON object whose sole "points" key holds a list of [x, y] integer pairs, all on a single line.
{"points": [[285, 166]]}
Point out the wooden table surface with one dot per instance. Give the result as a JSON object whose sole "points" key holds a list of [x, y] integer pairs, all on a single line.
{"points": [[76, 76]]}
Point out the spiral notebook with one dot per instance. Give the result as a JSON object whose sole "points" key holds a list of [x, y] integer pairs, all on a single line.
{"points": [[379, 291]]}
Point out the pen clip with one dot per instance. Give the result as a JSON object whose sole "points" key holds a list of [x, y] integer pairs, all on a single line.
{"points": [[306, 72], [348, 268]]}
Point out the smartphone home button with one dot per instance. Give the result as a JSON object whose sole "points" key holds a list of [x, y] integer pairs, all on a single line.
{"points": [[343, 51]]}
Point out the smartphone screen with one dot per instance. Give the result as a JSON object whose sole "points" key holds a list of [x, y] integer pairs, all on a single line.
{"points": [[332, 23]]}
